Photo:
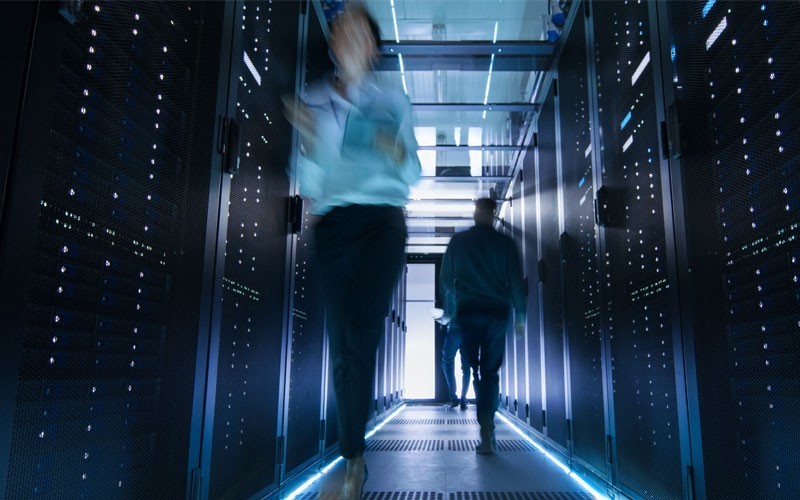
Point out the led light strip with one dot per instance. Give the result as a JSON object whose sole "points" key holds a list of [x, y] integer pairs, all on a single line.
{"points": [[717, 32], [596, 494], [313, 479]]}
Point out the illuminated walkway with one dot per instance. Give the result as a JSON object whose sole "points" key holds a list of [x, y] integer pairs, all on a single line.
{"points": [[428, 452]]}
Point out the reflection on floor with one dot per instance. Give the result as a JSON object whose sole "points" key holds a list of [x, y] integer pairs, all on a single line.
{"points": [[428, 453]]}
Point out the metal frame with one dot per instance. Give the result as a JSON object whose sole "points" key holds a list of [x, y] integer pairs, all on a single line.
{"points": [[463, 178], [600, 242], [205, 376], [657, 53], [465, 56], [453, 147], [519, 107], [20, 218], [672, 179], [604, 477], [291, 260]]}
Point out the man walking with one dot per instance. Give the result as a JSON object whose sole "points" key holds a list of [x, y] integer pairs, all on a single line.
{"points": [[453, 344], [481, 280]]}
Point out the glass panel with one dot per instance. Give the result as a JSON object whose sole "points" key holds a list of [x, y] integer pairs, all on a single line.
{"points": [[471, 20], [439, 189], [464, 86]]}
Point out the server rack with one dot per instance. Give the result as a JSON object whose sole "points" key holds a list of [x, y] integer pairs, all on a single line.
{"points": [[582, 324], [246, 380], [520, 348], [694, 249], [732, 94], [108, 225]]}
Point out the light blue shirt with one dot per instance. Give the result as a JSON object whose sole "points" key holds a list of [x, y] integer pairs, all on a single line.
{"points": [[345, 168]]}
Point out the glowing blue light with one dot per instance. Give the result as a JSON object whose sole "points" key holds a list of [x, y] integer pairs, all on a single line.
{"points": [[596, 494], [313, 479], [707, 8], [625, 120]]}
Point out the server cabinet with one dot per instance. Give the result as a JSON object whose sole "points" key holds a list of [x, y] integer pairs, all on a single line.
{"points": [[380, 364], [510, 367], [530, 257], [519, 350], [638, 304], [735, 112], [247, 376], [307, 380], [554, 416], [116, 187], [582, 304]]}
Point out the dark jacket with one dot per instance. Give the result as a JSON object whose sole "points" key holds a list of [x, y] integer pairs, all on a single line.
{"points": [[482, 272]]}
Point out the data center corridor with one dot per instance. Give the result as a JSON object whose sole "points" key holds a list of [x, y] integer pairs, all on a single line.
{"points": [[424, 452], [162, 334]]}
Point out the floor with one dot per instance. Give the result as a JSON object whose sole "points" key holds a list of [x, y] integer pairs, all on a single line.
{"points": [[428, 452]]}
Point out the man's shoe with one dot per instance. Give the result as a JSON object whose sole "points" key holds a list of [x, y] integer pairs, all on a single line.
{"points": [[488, 443], [453, 403], [463, 404]]}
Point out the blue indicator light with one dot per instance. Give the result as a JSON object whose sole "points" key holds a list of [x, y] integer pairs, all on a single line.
{"points": [[625, 120], [709, 4], [582, 182]]}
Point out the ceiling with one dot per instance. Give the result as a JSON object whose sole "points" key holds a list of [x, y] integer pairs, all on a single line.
{"points": [[474, 53]]}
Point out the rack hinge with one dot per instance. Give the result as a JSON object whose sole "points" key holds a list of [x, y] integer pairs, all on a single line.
{"points": [[296, 214]]}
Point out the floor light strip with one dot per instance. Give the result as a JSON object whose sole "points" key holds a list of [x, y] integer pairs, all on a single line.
{"points": [[313, 479], [552, 458]]}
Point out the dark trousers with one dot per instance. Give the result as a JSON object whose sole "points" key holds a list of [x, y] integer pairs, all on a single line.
{"points": [[483, 339], [360, 252], [453, 344]]}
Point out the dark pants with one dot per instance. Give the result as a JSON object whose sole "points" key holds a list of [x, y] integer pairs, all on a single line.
{"points": [[360, 253], [453, 344], [483, 339]]}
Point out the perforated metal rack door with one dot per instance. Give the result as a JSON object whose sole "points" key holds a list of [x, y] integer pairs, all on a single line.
{"points": [[637, 305], [520, 381], [581, 276], [107, 373], [737, 79], [552, 314], [531, 259], [509, 370], [308, 322], [248, 374]]}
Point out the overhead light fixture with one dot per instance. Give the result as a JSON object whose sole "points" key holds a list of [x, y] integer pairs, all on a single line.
{"points": [[394, 19], [488, 81]]}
